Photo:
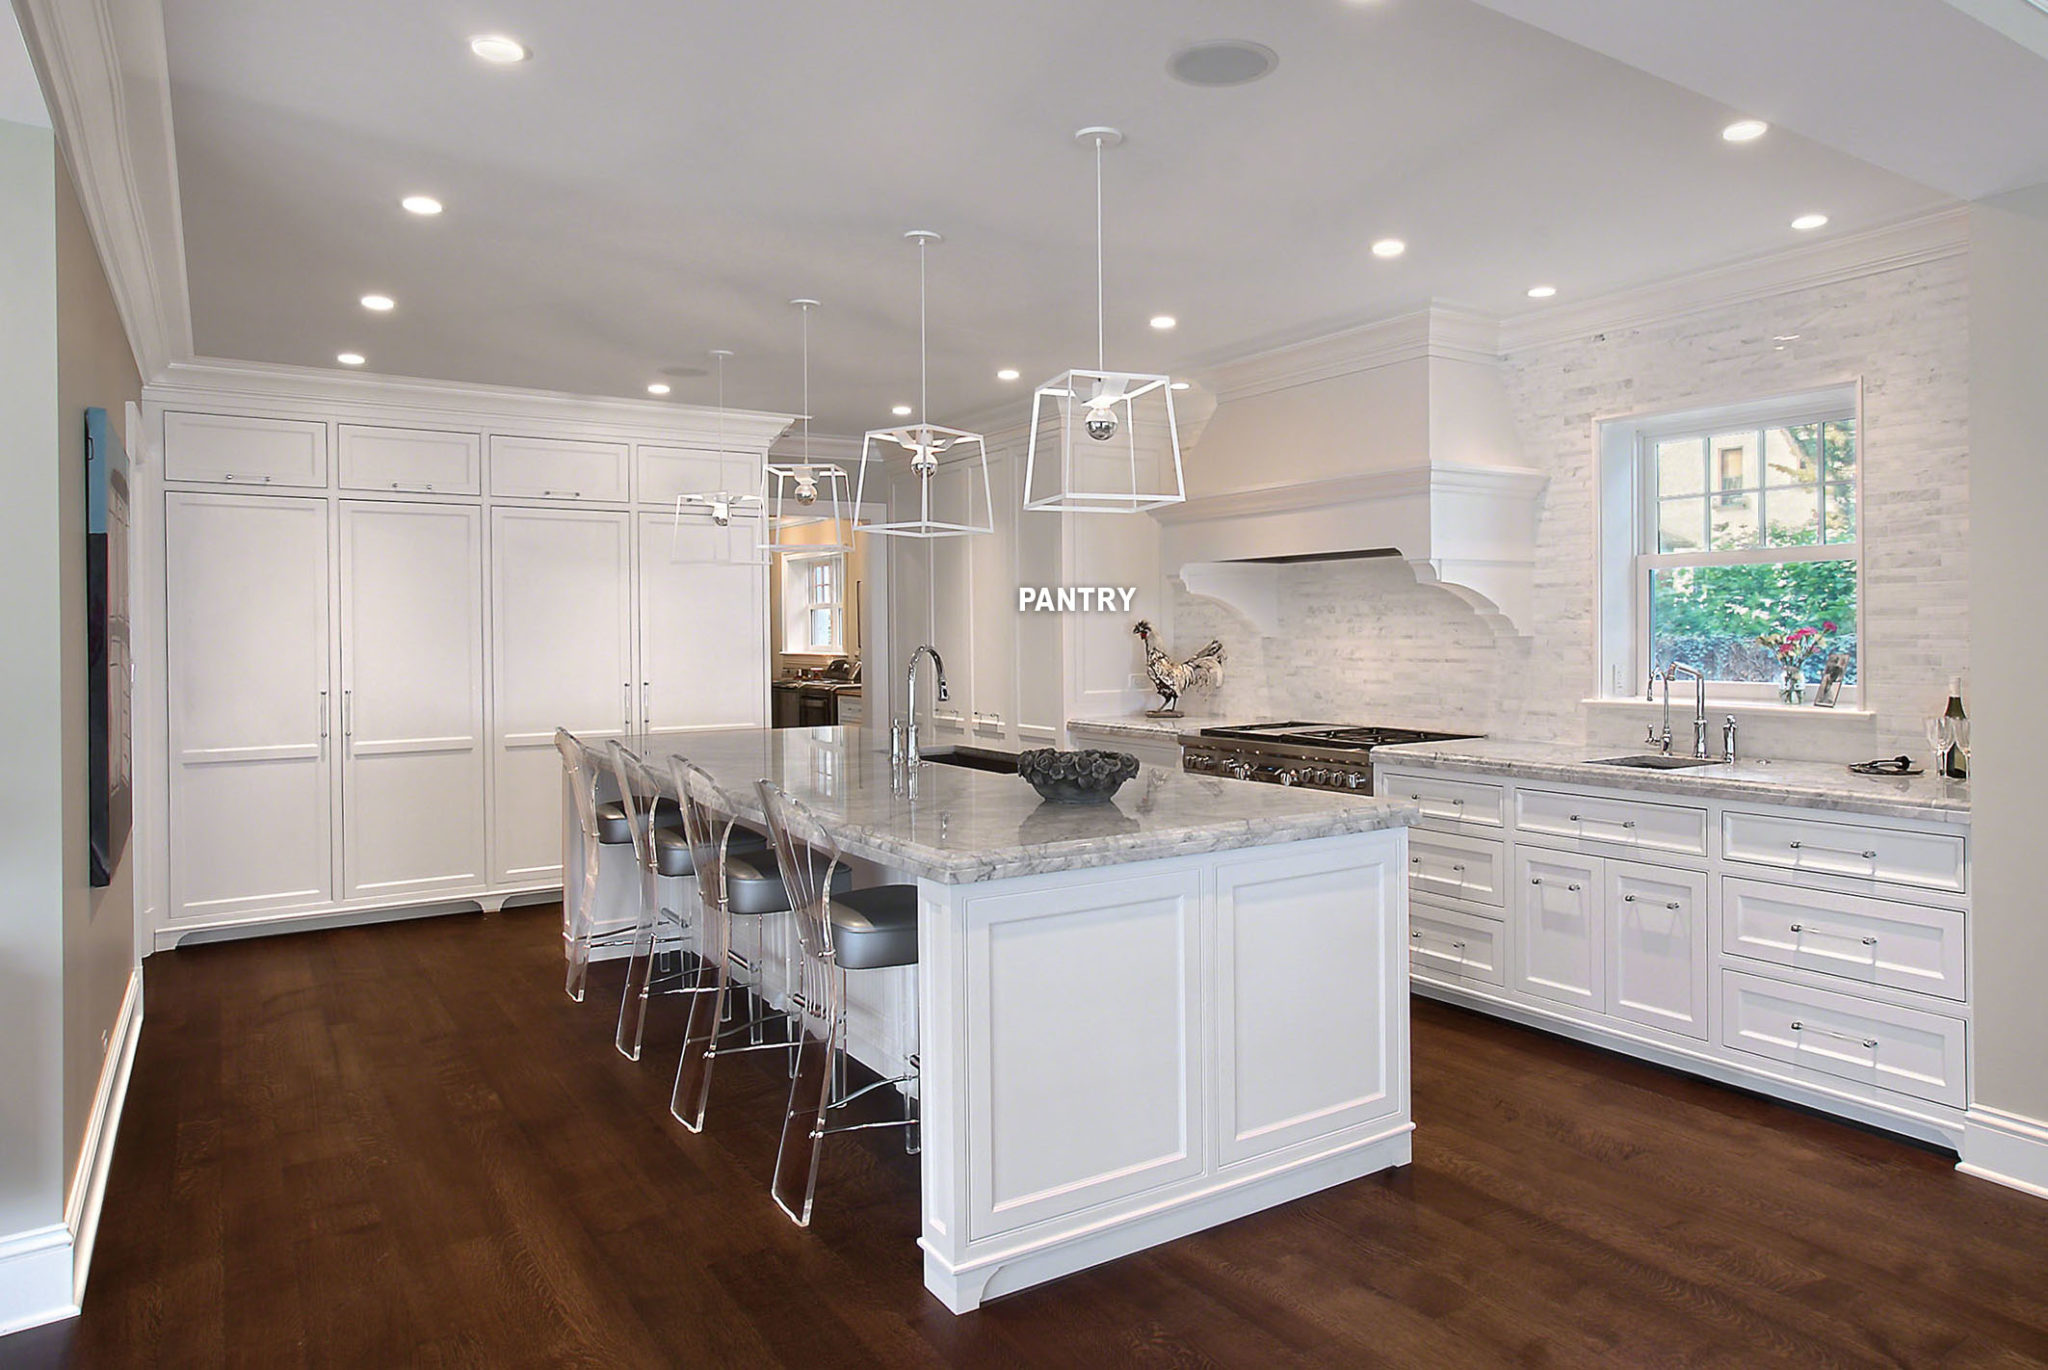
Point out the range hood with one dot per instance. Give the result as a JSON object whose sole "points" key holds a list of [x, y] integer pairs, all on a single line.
{"points": [[1389, 441]]}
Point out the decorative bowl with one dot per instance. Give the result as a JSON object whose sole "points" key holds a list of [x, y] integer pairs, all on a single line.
{"points": [[1084, 777]]}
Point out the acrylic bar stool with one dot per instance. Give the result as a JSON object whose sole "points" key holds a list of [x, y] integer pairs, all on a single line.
{"points": [[839, 930], [580, 903], [736, 879]]}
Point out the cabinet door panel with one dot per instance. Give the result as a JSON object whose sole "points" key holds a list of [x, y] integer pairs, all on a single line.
{"points": [[666, 472], [412, 698], [1557, 937], [953, 598], [562, 641], [250, 704], [410, 459], [994, 618], [245, 451], [1657, 957], [559, 468], [703, 624], [1041, 690]]}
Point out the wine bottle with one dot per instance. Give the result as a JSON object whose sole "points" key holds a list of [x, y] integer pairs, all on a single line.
{"points": [[1957, 768]]}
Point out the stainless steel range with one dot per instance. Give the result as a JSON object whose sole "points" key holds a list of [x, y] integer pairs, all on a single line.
{"points": [[1323, 756]]}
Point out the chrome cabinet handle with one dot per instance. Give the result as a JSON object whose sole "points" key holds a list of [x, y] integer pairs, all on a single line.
{"points": [[561, 494], [646, 708], [1631, 899], [1621, 823], [1830, 932], [627, 716], [1537, 880], [1869, 1043], [1838, 851], [1458, 868], [348, 713], [428, 487], [323, 715]]}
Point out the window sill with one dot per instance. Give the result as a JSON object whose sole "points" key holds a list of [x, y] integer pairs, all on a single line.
{"points": [[1756, 708]]}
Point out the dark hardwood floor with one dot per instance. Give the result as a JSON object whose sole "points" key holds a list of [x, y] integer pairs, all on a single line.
{"points": [[402, 1145]]}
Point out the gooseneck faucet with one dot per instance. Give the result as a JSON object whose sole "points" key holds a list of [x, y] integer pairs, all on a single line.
{"points": [[1699, 717], [910, 695]]}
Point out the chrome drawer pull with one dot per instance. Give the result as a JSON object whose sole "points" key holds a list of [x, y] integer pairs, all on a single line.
{"points": [[562, 494], [1830, 932], [1537, 880], [1630, 899], [1458, 868], [1838, 851], [1459, 946], [1619, 823], [1869, 1043]]}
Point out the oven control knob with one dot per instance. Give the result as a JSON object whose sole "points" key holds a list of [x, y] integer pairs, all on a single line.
{"points": [[1288, 777], [1238, 770], [1357, 782], [1198, 763]]}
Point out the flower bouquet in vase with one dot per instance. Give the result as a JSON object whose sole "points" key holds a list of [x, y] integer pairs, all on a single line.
{"points": [[1793, 650]]}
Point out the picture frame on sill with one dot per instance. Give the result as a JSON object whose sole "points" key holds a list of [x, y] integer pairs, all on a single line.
{"points": [[1831, 678]]}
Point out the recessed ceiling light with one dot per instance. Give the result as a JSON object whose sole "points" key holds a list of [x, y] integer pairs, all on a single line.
{"points": [[1806, 223], [1162, 322], [1008, 373], [1389, 247], [1178, 385], [1745, 130], [1542, 292], [379, 303], [1231, 62], [901, 411], [498, 49], [350, 358], [420, 204], [658, 388]]}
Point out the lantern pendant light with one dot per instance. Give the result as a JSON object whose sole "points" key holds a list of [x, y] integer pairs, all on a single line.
{"points": [[926, 442], [1102, 441], [737, 547], [806, 500]]}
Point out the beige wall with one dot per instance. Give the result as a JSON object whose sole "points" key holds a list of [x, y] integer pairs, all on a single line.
{"points": [[94, 368], [32, 760], [2009, 462]]}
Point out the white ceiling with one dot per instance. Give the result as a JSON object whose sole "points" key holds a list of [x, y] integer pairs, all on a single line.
{"points": [[21, 99], [661, 177], [1953, 93]]}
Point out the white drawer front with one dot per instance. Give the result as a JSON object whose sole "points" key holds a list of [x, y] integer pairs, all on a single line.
{"points": [[1898, 1049], [1455, 867], [1930, 860], [558, 468], [1876, 941], [409, 460], [666, 472], [1450, 944], [1624, 822], [1460, 803], [239, 451]]}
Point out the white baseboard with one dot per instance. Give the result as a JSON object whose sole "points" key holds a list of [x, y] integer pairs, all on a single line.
{"points": [[35, 1278], [2006, 1149], [89, 1182]]}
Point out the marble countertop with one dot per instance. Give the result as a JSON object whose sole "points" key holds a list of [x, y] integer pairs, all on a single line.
{"points": [[1799, 784], [1138, 725], [956, 825]]}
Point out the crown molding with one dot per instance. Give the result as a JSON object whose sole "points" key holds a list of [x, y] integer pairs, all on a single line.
{"points": [[106, 74], [252, 385], [1441, 331], [1929, 238], [835, 448]]}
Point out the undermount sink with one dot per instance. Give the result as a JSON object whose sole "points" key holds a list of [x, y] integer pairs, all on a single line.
{"points": [[975, 759], [1655, 762]]}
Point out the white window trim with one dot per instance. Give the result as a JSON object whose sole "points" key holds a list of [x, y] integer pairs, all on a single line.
{"points": [[796, 609], [1621, 564]]}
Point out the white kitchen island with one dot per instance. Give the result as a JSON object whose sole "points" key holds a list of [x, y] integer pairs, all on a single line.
{"points": [[1134, 1020]]}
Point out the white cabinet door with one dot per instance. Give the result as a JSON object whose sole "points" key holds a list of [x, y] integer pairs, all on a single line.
{"points": [[410, 460], [1657, 952], [232, 450], [703, 624], [559, 468], [994, 619], [1557, 938], [412, 689], [562, 635], [666, 472], [251, 708], [1041, 690], [953, 601]]}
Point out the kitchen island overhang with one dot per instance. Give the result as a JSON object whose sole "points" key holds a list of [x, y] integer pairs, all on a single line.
{"points": [[1134, 1021]]}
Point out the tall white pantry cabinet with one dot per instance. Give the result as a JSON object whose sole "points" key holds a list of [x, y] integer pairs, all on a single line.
{"points": [[372, 621]]}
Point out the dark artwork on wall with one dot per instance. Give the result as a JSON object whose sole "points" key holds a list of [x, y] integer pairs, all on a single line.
{"points": [[110, 753]]}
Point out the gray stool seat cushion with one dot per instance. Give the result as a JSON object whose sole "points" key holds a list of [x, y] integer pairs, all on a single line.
{"points": [[672, 849], [614, 831], [754, 885], [876, 927]]}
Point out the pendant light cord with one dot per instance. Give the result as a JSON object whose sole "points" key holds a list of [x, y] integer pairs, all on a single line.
{"points": [[807, 384], [923, 348], [1101, 352]]}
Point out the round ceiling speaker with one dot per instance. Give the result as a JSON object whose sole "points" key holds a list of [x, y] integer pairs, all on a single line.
{"points": [[1230, 62]]}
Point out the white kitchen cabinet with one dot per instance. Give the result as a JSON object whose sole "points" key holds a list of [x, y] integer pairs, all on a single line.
{"points": [[560, 469], [666, 472], [703, 648], [1452, 942], [231, 449], [1457, 867], [251, 704], [412, 698], [1932, 861], [562, 636], [1665, 829], [1851, 937], [1559, 937], [993, 704], [1657, 946], [409, 460], [1041, 686], [1819, 1032]]}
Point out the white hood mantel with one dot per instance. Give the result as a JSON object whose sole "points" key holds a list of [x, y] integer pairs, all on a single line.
{"points": [[1388, 441]]}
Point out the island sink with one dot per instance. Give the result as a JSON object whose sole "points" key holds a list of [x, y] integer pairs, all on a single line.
{"points": [[1656, 762]]}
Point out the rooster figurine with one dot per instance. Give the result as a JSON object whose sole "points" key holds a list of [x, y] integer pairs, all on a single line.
{"points": [[1202, 671]]}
